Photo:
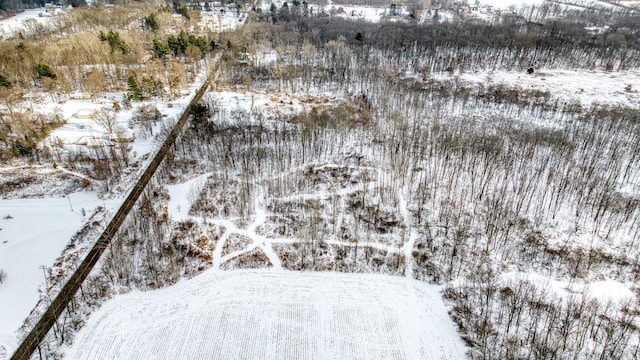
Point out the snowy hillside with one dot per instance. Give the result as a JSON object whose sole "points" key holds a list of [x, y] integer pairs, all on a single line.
{"points": [[264, 314]]}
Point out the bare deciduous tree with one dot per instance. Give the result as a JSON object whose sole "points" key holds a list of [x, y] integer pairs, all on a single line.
{"points": [[95, 83], [147, 116], [105, 118]]}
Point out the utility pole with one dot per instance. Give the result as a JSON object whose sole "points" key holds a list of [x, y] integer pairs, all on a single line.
{"points": [[46, 278], [68, 198]]}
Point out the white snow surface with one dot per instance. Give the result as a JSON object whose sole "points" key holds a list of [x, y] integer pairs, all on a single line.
{"points": [[14, 24], [34, 236], [609, 290], [505, 4], [215, 21], [586, 87], [604, 291], [183, 195], [267, 314]]}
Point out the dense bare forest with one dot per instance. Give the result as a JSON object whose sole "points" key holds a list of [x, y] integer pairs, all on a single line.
{"points": [[500, 194]]}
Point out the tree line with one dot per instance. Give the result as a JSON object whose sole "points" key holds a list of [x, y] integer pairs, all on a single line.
{"points": [[537, 42]]}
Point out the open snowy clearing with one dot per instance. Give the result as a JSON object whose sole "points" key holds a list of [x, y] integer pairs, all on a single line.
{"points": [[604, 291], [274, 314], [183, 195], [585, 87], [34, 233], [19, 22]]}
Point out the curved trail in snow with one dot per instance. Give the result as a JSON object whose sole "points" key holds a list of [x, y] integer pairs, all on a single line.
{"points": [[405, 241]]}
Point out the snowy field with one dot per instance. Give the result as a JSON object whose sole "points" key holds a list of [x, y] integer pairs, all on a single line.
{"points": [[586, 87], [274, 315], [20, 22], [216, 21], [33, 234]]}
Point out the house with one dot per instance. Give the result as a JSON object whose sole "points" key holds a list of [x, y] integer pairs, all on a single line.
{"points": [[122, 135], [85, 114], [79, 95], [95, 142]]}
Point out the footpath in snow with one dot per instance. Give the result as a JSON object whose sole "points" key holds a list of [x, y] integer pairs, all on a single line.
{"points": [[274, 314]]}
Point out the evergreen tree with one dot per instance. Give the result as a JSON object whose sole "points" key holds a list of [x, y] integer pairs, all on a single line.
{"points": [[133, 89], [114, 41], [45, 70], [151, 23], [160, 50], [4, 82]]}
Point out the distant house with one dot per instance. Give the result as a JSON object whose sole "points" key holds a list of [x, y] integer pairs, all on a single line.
{"points": [[34, 97], [98, 143], [122, 135], [85, 114], [78, 95]]}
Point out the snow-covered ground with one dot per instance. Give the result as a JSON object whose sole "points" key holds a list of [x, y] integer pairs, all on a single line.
{"points": [[586, 87], [17, 23], [83, 131], [183, 195], [505, 4], [212, 20], [39, 229], [80, 129], [218, 21], [484, 9], [603, 291], [33, 234], [635, 3], [262, 314]]}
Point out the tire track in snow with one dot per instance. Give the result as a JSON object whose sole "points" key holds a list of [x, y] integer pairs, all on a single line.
{"points": [[261, 241], [257, 241], [407, 248]]}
